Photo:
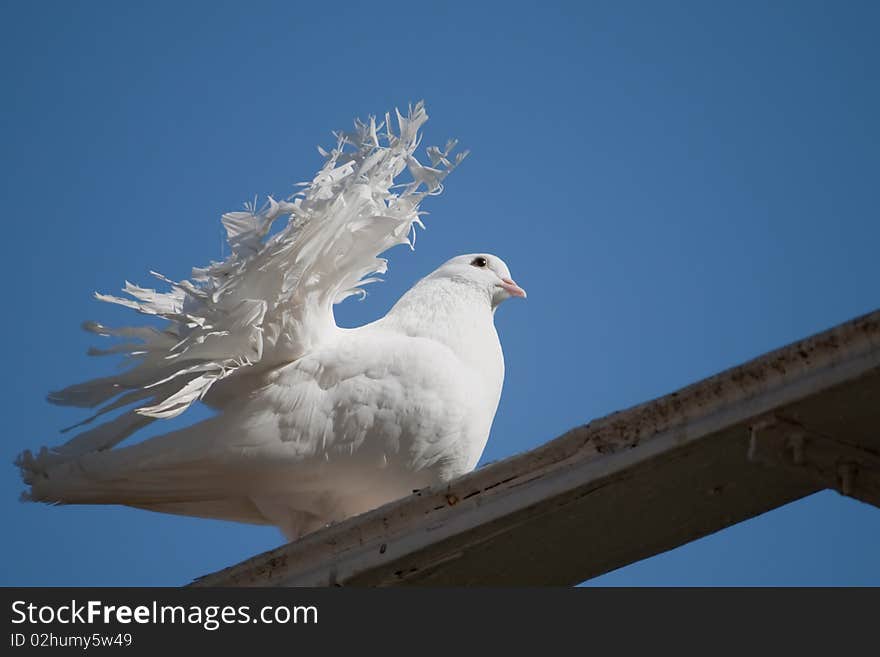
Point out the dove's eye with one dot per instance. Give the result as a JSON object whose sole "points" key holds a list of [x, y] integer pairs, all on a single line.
{"points": [[480, 261]]}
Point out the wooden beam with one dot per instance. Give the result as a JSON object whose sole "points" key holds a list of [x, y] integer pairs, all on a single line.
{"points": [[624, 487]]}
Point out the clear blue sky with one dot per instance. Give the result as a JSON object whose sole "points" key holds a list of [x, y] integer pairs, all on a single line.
{"points": [[679, 186]]}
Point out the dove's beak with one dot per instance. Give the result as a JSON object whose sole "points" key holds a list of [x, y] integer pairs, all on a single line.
{"points": [[512, 288]]}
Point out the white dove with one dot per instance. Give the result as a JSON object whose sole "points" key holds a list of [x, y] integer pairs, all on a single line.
{"points": [[315, 423]]}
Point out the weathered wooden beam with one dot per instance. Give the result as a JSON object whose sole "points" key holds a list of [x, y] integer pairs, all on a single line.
{"points": [[624, 487]]}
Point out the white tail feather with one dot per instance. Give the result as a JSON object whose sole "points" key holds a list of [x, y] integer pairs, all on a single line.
{"points": [[271, 300]]}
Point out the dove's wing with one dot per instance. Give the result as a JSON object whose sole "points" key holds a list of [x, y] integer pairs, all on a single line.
{"points": [[271, 300]]}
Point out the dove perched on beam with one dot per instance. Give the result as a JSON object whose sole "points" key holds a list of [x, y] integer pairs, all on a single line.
{"points": [[314, 423]]}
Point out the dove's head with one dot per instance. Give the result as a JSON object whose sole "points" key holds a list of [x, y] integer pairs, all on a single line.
{"points": [[482, 270]]}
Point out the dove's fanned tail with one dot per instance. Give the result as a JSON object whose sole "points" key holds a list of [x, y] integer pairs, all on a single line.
{"points": [[271, 300]]}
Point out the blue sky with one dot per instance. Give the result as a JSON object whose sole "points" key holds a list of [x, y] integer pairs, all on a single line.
{"points": [[679, 186]]}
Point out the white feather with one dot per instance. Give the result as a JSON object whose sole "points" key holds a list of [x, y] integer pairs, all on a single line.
{"points": [[271, 300]]}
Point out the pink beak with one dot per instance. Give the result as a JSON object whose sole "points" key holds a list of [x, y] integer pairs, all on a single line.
{"points": [[512, 288]]}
